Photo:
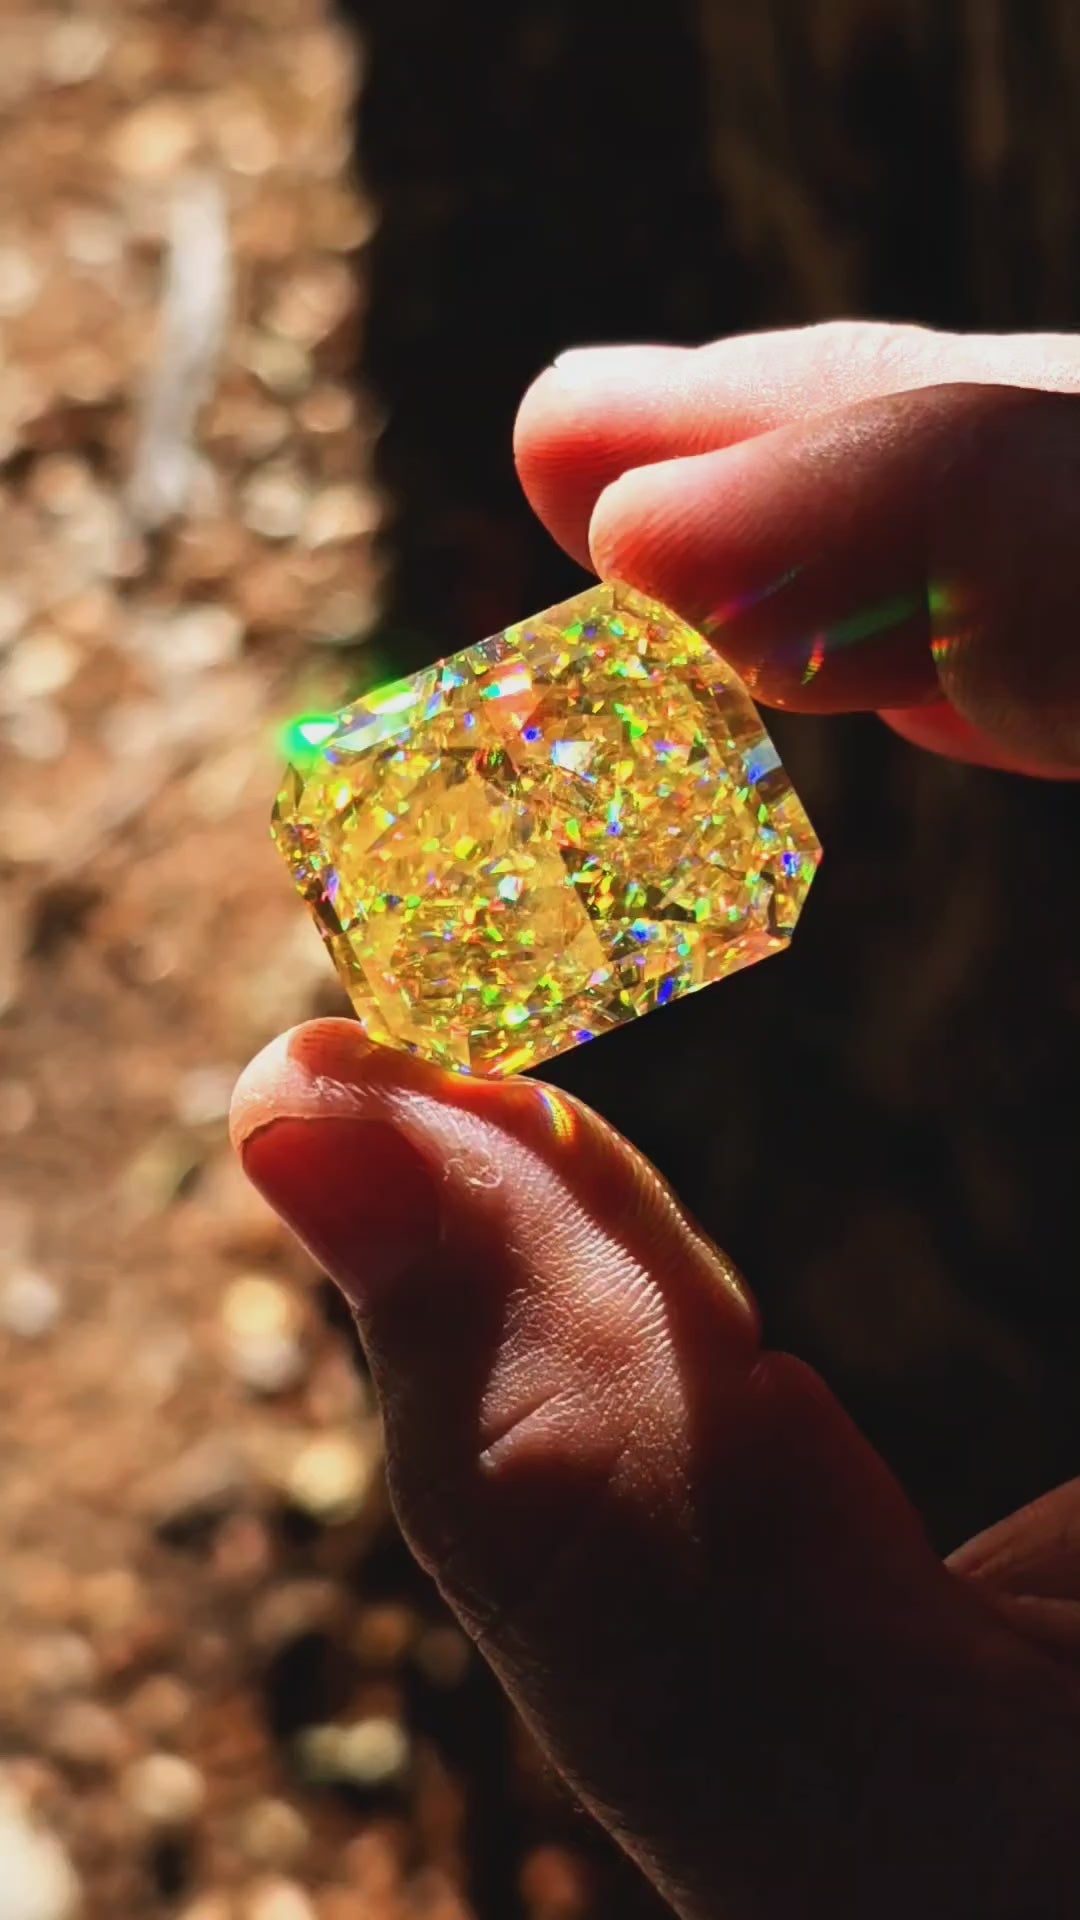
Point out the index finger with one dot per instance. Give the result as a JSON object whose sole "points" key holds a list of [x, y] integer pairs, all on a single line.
{"points": [[910, 551], [600, 411]]}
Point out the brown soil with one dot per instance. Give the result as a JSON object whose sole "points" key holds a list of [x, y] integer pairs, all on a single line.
{"points": [[195, 1555]]}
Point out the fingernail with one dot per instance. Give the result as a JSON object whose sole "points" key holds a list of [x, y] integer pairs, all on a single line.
{"points": [[578, 356], [355, 1192], [605, 365]]}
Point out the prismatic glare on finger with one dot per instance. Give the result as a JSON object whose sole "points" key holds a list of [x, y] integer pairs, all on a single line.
{"points": [[554, 831]]}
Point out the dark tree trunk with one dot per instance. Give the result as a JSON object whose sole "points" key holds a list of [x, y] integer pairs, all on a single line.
{"points": [[881, 1127]]}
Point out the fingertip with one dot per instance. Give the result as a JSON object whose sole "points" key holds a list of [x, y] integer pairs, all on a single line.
{"points": [[299, 1075], [614, 544], [585, 380], [255, 1095], [537, 1179], [645, 530], [355, 1192], [585, 417]]}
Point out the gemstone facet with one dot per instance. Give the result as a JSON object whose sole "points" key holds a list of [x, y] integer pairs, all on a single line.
{"points": [[555, 830]]}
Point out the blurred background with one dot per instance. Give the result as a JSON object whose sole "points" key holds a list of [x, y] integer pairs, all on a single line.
{"points": [[272, 280]]}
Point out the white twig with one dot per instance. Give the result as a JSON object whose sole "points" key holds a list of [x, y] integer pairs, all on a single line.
{"points": [[195, 312]]}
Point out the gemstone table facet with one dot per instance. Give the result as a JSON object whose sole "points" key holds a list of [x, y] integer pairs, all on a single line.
{"points": [[556, 830]]}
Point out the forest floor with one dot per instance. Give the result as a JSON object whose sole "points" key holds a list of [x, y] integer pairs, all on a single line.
{"points": [[224, 1692]]}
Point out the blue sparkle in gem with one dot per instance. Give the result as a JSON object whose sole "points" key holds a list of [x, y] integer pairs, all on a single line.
{"points": [[791, 863], [764, 759], [667, 988], [530, 733]]}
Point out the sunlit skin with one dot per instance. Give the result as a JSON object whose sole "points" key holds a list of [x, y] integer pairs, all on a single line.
{"points": [[707, 1594]]}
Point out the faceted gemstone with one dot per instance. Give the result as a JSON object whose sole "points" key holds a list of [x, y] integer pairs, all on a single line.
{"points": [[554, 831]]}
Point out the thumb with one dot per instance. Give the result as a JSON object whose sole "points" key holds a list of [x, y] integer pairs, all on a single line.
{"points": [[701, 1587]]}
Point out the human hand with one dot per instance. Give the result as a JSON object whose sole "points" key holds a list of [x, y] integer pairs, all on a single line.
{"points": [[864, 516], [704, 1590]]}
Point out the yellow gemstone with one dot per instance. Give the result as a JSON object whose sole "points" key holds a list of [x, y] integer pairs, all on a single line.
{"points": [[554, 831]]}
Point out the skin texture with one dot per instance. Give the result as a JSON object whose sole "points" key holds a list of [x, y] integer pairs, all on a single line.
{"points": [[701, 1586], [895, 506]]}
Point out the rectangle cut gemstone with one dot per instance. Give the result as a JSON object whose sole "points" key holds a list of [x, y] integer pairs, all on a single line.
{"points": [[556, 830]]}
